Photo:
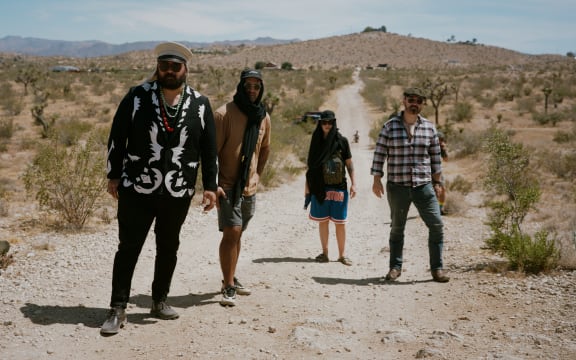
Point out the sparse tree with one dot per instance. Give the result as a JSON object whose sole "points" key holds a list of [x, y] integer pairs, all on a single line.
{"points": [[270, 101], [436, 90], [547, 91], [41, 101], [28, 76]]}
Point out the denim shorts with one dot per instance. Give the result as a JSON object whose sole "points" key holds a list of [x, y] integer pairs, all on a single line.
{"points": [[237, 214]]}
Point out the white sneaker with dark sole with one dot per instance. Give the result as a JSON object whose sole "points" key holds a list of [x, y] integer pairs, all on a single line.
{"points": [[228, 296]]}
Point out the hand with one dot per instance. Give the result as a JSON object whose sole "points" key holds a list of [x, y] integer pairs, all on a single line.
{"points": [[113, 187], [220, 193], [209, 200], [352, 191], [378, 188], [307, 200]]}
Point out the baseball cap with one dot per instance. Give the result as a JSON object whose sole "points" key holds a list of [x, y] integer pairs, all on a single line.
{"points": [[250, 73]]}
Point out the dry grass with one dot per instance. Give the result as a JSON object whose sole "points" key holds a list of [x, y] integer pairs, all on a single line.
{"points": [[485, 75]]}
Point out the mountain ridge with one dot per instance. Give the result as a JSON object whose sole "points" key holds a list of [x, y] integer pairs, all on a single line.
{"points": [[95, 48]]}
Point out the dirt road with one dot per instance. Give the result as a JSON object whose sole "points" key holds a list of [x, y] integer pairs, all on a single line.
{"points": [[53, 302]]}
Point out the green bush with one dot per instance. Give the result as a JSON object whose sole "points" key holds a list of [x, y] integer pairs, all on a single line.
{"points": [[531, 255], [515, 193], [67, 181]]}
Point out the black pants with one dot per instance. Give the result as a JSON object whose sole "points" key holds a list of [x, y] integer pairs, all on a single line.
{"points": [[135, 216]]}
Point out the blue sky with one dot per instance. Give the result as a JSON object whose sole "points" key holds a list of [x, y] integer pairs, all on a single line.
{"points": [[529, 26]]}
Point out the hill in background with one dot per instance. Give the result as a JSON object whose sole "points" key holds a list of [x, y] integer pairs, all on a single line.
{"points": [[353, 50], [94, 48]]}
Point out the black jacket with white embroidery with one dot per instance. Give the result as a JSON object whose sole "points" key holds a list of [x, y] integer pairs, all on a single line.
{"points": [[151, 160]]}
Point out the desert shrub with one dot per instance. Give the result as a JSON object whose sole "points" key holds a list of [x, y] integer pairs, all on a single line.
{"points": [[3, 200], [463, 111], [9, 100], [6, 128], [466, 143], [6, 260], [506, 94], [460, 185], [564, 136], [545, 119], [373, 92], [455, 204], [526, 105], [515, 192], [561, 165], [67, 181], [69, 132], [488, 101], [531, 255]]}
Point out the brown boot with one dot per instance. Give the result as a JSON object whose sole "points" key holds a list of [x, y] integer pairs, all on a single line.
{"points": [[393, 274], [439, 276]]}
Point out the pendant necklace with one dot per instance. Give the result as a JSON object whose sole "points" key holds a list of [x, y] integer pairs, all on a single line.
{"points": [[168, 111]]}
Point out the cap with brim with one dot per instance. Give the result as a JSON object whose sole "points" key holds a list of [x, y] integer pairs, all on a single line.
{"points": [[414, 92], [251, 73], [173, 51]]}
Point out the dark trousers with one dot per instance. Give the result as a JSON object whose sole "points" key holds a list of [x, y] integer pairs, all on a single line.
{"points": [[135, 216], [424, 198]]}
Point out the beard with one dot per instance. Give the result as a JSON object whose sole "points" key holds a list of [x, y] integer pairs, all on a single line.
{"points": [[413, 109], [171, 81]]}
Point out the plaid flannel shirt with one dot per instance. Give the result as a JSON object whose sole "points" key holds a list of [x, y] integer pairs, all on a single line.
{"points": [[411, 162]]}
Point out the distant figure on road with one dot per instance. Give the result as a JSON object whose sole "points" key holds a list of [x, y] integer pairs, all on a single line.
{"points": [[410, 145], [356, 137], [326, 188]]}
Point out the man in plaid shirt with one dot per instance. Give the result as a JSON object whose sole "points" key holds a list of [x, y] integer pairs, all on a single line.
{"points": [[410, 145]]}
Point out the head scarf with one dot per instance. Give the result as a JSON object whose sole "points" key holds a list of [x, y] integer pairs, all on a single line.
{"points": [[255, 111], [321, 150]]}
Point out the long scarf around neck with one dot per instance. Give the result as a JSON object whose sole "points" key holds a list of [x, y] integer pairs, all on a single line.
{"points": [[255, 111], [321, 150]]}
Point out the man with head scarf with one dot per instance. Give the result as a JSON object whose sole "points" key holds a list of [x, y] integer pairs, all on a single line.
{"points": [[243, 142], [326, 187], [409, 144], [161, 132]]}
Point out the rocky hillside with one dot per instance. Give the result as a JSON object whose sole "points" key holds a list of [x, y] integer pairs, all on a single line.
{"points": [[354, 50]]}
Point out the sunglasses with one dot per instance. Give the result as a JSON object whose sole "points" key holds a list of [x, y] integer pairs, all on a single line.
{"points": [[169, 65], [255, 87], [326, 122], [415, 100]]}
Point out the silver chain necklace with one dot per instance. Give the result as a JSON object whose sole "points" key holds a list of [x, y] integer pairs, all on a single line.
{"points": [[172, 111]]}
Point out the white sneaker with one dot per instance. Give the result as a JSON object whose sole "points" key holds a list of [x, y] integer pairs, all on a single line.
{"points": [[241, 289], [228, 296]]}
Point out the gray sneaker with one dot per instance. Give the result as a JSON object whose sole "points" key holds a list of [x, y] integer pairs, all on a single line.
{"points": [[163, 311], [241, 289], [114, 321]]}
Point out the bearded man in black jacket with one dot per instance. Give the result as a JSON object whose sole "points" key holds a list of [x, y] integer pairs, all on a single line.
{"points": [[163, 130]]}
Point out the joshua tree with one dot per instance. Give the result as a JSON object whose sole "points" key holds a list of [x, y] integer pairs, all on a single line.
{"points": [[436, 91]]}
